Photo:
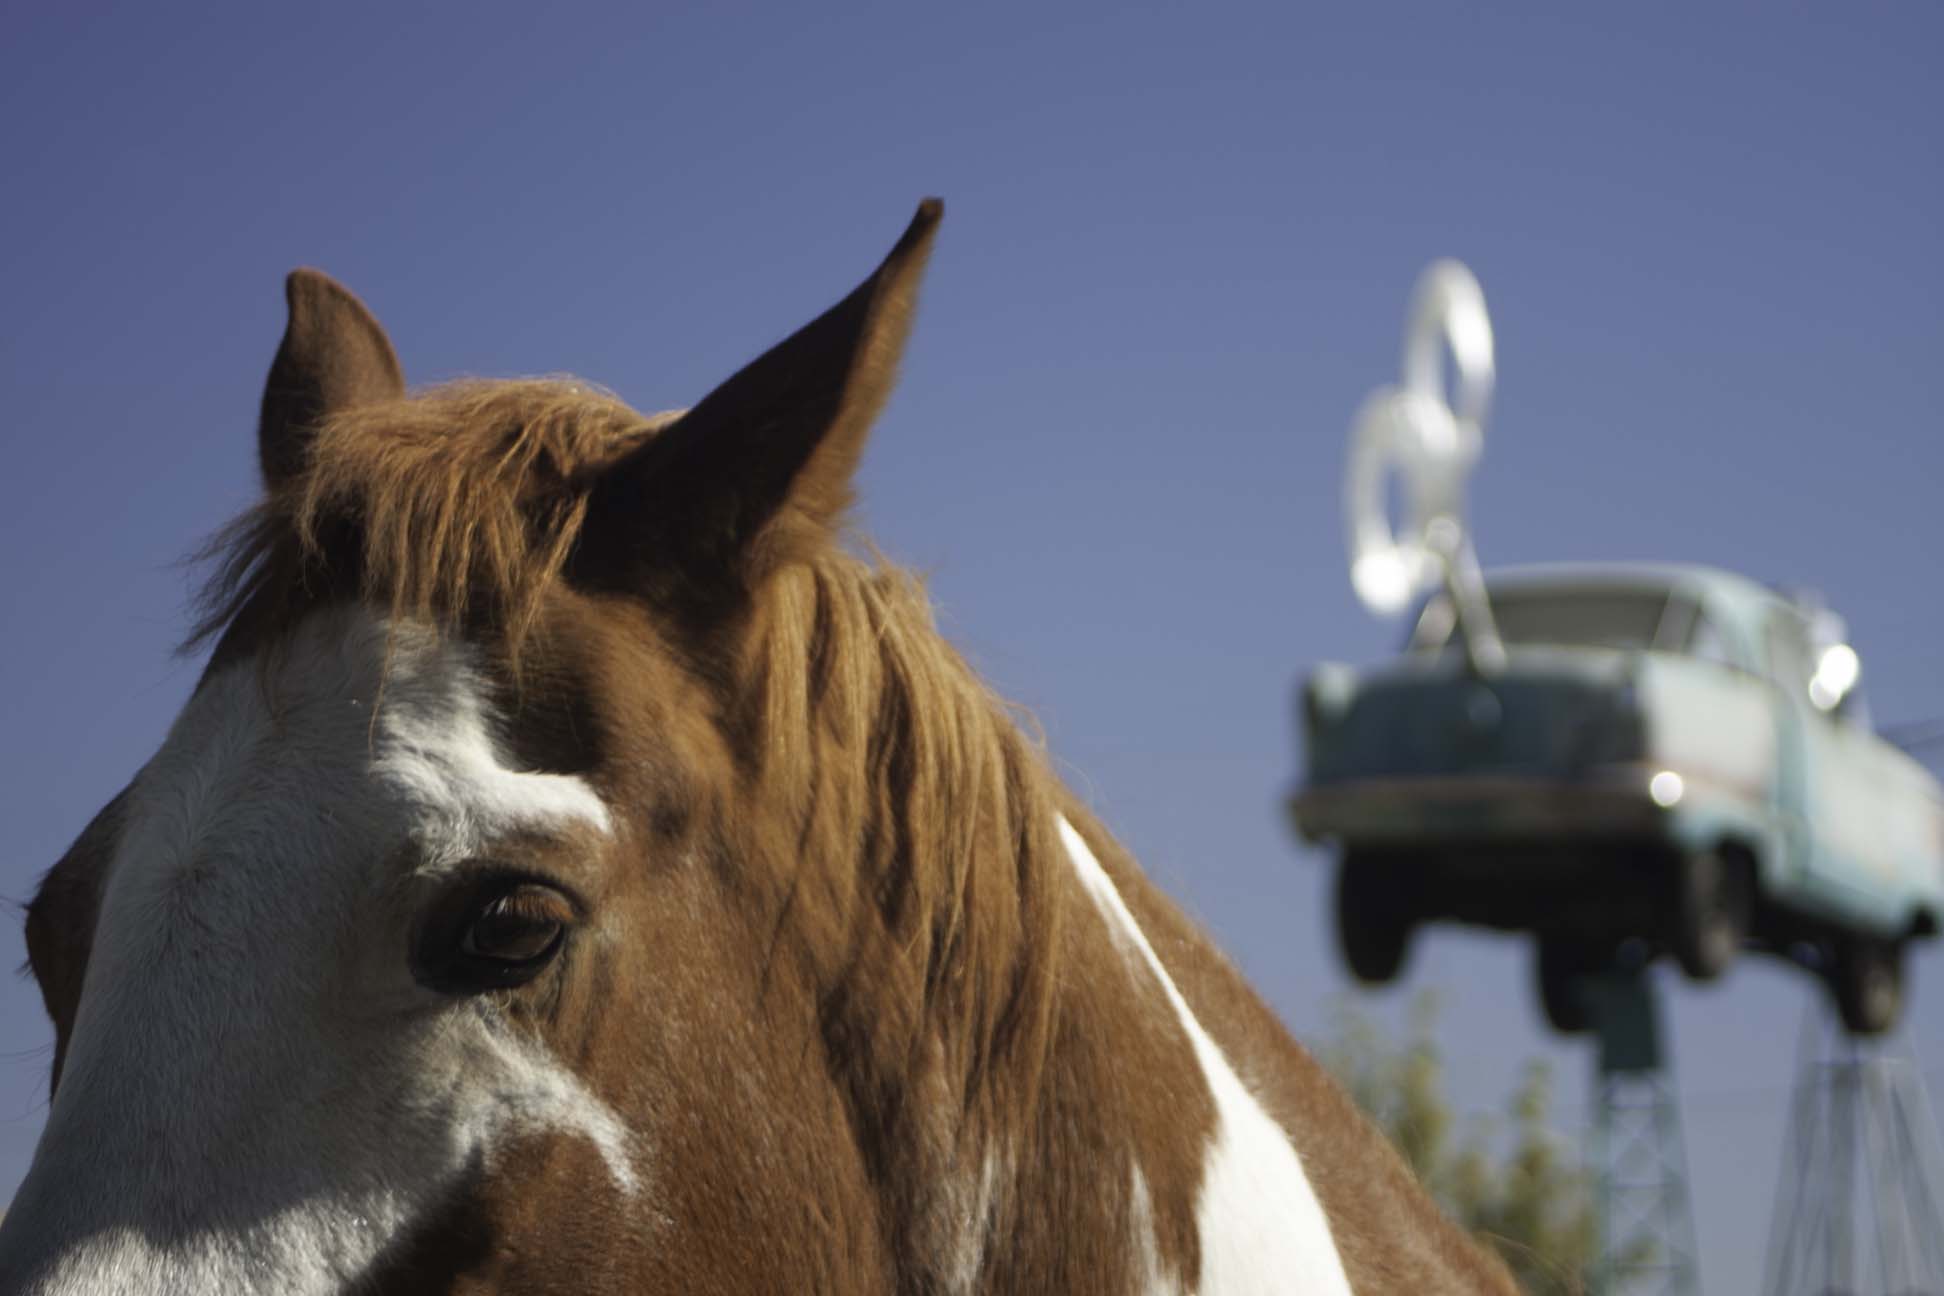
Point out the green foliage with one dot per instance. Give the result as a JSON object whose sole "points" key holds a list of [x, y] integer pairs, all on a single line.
{"points": [[1513, 1182]]}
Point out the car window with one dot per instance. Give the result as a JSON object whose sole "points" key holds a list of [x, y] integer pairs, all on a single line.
{"points": [[1705, 641], [1596, 618], [1580, 618], [1687, 629], [1676, 625]]}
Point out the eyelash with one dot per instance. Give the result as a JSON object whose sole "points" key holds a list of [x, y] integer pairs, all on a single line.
{"points": [[447, 950]]}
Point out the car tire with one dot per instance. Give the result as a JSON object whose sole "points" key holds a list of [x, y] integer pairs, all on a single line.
{"points": [[1866, 977], [1374, 915], [1560, 967], [1711, 911]]}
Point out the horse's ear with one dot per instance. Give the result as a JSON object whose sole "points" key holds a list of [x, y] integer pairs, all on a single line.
{"points": [[334, 355], [720, 492]]}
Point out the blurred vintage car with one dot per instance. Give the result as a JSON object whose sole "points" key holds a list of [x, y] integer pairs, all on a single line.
{"points": [[1669, 759]]}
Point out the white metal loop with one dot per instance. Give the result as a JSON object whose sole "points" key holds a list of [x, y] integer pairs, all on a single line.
{"points": [[1430, 439], [1448, 310]]}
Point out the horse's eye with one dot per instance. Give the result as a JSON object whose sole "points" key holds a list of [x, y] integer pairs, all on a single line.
{"points": [[522, 926], [492, 936]]}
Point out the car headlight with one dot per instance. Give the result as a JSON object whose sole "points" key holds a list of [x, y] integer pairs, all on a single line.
{"points": [[1328, 693]]}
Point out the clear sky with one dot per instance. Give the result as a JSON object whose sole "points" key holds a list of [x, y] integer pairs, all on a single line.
{"points": [[1176, 255]]}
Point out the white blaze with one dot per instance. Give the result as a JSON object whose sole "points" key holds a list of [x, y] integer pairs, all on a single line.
{"points": [[1262, 1229], [258, 1097]]}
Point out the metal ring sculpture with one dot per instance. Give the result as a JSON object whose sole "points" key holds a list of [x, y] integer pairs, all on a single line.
{"points": [[1430, 439]]}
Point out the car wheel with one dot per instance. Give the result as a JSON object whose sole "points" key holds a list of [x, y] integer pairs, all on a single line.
{"points": [[1374, 915], [1867, 980], [1711, 906], [1560, 969]]}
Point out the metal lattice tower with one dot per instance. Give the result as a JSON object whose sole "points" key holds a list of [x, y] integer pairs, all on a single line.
{"points": [[1859, 1206], [1639, 1153]]}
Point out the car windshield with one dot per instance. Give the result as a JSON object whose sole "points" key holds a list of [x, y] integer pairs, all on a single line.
{"points": [[1580, 618], [1593, 618]]}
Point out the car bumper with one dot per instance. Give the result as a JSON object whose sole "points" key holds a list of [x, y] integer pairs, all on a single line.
{"points": [[1613, 804]]}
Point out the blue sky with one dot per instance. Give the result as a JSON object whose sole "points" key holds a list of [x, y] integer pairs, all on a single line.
{"points": [[1176, 255]]}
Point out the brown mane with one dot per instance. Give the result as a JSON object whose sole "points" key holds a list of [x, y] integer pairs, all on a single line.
{"points": [[465, 498], [913, 826]]}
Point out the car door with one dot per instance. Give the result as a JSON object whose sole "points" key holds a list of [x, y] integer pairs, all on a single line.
{"points": [[1839, 787], [1714, 720], [1876, 803]]}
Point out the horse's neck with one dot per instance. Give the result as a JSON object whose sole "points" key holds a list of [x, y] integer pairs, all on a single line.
{"points": [[1184, 1127], [1057, 1082]]}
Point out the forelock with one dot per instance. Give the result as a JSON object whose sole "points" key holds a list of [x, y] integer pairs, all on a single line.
{"points": [[458, 504]]}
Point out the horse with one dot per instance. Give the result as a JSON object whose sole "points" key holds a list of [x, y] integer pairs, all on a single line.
{"points": [[582, 867]]}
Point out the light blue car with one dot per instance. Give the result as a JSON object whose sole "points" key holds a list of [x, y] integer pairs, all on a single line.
{"points": [[1669, 758]]}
